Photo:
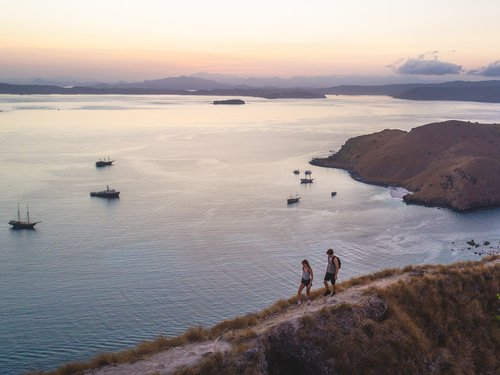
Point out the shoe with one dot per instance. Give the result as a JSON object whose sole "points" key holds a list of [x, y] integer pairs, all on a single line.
{"points": [[299, 302], [333, 293], [327, 292], [308, 302]]}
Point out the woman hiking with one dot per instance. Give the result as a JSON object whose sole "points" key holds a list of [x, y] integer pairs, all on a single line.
{"points": [[306, 282]]}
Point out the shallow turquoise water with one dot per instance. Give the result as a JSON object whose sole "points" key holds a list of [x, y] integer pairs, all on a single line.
{"points": [[202, 231]]}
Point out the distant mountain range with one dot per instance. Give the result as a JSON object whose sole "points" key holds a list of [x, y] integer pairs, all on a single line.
{"points": [[477, 91], [210, 84]]}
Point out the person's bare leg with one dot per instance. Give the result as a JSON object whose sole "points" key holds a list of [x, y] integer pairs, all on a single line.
{"points": [[299, 293]]}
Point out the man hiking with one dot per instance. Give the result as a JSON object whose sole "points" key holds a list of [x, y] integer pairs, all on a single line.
{"points": [[331, 272]]}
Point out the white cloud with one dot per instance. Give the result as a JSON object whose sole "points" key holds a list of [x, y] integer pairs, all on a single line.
{"points": [[490, 70], [425, 64]]}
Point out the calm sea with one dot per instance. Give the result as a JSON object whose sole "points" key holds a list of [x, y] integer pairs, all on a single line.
{"points": [[201, 231]]}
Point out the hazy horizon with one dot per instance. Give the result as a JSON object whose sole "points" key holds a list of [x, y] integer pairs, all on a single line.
{"points": [[126, 41]]}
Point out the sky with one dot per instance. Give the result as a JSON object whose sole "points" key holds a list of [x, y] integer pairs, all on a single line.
{"points": [[111, 40]]}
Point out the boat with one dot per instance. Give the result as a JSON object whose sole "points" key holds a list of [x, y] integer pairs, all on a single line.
{"points": [[293, 199], [296, 171], [334, 193], [103, 163], [108, 193], [21, 224], [306, 179]]}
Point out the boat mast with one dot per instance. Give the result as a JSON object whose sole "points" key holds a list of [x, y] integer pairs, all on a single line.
{"points": [[28, 213], [18, 213]]}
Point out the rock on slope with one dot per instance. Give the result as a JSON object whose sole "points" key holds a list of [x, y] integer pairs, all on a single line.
{"points": [[453, 163]]}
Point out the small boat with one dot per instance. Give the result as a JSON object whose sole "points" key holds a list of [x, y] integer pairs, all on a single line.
{"points": [[306, 180], [334, 193], [293, 199], [21, 224], [296, 171], [103, 163], [108, 193]]}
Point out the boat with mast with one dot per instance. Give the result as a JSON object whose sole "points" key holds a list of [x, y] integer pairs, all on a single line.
{"points": [[23, 224], [293, 199], [103, 162], [307, 178]]}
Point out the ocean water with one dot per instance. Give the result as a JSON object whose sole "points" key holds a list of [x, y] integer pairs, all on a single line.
{"points": [[201, 231]]}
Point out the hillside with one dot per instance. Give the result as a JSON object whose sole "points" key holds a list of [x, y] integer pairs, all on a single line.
{"points": [[453, 163], [163, 87], [417, 320], [476, 91]]}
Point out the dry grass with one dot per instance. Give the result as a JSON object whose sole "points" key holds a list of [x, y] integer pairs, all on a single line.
{"points": [[239, 330], [441, 322]]}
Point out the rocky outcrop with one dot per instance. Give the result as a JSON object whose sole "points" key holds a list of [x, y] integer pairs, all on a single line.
{"points": [[453, 163], [293, 348], [229, 101]]}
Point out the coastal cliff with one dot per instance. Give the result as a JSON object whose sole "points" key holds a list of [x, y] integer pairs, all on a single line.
{"points": [[430, 319], [453, 163]]}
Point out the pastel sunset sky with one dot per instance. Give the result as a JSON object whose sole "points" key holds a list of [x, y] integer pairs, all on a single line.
{"points": [[124, 39]]}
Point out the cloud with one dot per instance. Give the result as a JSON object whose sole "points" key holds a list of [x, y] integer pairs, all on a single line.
{"points": [[426, 64], [490, 70]]}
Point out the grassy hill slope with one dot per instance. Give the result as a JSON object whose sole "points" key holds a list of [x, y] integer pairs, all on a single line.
{"points": [[417, 320]]}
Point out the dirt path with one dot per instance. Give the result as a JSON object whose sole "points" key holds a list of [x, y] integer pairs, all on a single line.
{"points": [[165, 363]]}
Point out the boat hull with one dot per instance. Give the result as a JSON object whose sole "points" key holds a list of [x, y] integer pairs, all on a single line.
{"points": [[99, 164], [22, 224], [105, 194]]}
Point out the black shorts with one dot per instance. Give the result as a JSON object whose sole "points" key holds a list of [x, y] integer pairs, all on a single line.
{"points": [[330, 277], [306, 282]]}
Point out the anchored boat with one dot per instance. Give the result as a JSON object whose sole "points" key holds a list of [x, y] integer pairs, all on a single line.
{"points": [[103, 163], [307, 178], [293, 199], [108, 193], [22, 224]]}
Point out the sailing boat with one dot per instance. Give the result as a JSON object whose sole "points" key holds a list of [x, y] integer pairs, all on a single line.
{"points": [[21, 224], [306, 179], [103, 163]]}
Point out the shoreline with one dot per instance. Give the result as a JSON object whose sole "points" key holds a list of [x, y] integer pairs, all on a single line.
{"points": [[450, 164], [355, 176]]}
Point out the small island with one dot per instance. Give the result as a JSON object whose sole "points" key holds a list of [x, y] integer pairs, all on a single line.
{"points": [[229, 101], [453, 164]]}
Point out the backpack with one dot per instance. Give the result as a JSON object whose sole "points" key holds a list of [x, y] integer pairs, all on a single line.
{"points": [[338, 259]]}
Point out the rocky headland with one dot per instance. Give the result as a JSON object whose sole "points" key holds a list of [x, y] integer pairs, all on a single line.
{"points": [[453, 164], [431, 319]]}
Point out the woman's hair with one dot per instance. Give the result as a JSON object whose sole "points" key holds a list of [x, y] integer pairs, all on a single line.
{"points": [[306, 263], [329, 252]]}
